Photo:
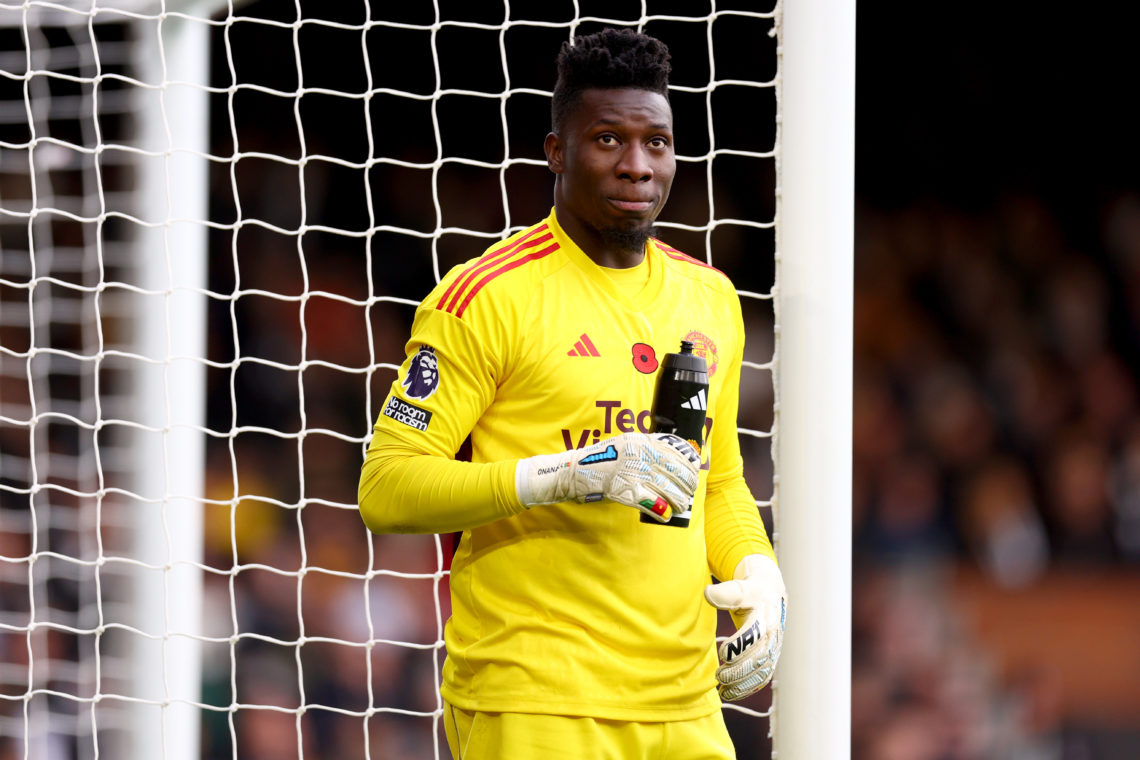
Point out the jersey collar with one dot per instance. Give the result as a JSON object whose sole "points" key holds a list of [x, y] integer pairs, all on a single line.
{"points": [[602, 281]]}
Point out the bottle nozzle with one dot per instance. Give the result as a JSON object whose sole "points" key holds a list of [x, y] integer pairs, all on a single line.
{"points": [[686, 347]]}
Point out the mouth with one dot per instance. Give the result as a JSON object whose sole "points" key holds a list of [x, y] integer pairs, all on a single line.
{"points": [[633, 206]]}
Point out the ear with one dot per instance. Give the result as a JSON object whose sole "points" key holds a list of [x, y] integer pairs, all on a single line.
{"points": [[553, 147]]}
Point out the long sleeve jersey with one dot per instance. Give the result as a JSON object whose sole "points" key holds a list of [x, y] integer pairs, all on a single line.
{"points": [[571, 609]]}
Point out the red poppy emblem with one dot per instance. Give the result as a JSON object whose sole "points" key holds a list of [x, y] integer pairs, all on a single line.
{"points": [[644, 358]]}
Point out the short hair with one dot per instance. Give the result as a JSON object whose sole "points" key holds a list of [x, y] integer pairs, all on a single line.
{"points": [[609, 59]]}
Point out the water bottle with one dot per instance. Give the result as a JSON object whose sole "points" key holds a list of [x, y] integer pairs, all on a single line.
{"points": [[680, 403]]}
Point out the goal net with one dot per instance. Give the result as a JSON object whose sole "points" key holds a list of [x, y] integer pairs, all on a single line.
{"points": [[216, 220]]}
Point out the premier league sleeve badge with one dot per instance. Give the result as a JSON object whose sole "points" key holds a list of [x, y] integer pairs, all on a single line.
{"points": [[422, 378]]}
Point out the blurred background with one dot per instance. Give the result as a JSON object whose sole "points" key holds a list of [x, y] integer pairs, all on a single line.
{"points": [[996, 436], [997, 526]]}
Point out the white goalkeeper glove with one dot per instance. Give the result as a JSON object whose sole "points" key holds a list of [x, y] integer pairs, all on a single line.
{"points": [[756, 594], [656, 473]]}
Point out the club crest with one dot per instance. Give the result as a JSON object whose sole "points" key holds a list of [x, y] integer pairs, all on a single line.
{"points": [[703, 346]]}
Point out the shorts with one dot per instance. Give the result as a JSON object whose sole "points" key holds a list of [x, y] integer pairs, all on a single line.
{"points": [[523, 736]]}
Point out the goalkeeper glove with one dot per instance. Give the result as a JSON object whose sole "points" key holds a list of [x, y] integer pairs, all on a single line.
{"points": [[756, 594], [655, 473]]}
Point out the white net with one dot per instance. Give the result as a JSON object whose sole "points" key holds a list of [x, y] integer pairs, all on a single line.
{"points": [[349, 154]]}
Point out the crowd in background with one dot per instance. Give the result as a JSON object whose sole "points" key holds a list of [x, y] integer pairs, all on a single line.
{"points": [[995, 395], [996, 428]]}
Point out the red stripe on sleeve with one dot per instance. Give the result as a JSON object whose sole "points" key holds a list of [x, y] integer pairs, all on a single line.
{"points": [[487, 262], [676, 255], [502, 270], [470, 272]]}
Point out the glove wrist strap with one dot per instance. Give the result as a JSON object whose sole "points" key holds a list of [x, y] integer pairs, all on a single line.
{"points": [[543, 479]]}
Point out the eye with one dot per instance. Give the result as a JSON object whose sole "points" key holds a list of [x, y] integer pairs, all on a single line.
{"points": [[658, 142], [607, 139]]}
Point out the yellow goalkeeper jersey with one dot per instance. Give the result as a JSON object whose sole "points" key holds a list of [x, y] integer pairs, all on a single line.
{"points": [[576, 609]]}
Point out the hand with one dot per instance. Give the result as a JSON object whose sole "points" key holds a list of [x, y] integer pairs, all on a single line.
{"points": [[756, 593], [655, 473]]}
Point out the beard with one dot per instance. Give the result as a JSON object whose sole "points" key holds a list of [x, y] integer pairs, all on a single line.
{"points": [[627, 239]]}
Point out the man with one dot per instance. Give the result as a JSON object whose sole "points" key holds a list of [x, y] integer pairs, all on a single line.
{"points": [[578, 629]]}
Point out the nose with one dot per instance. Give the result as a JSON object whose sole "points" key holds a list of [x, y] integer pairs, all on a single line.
{"points": [[634, 164]]}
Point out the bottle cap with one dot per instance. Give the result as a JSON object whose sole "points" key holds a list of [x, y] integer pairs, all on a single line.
{"points": [[686, 360]]}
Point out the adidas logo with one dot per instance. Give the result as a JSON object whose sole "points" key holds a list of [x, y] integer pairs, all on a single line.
{"points": [[583, 347], [696, 402]]}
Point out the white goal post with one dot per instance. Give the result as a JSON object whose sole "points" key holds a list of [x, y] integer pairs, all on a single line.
{"points": [[815, 232], [216, 218], [112, 473]]}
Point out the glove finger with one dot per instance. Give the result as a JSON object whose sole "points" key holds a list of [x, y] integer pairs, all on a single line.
{"points": [[680, 446], [648, 501], [748, 685], [739, 656], [660, 487], [730, 595], [680, 499], [657, 508], [659, 467], [677, 459], [675, 477], [687, 463], [761, 655]]}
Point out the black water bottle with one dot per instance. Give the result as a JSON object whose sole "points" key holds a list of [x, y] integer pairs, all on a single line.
{"points": [[680, 403]]}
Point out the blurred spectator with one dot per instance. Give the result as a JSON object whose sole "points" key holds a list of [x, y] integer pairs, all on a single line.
{"points": [[1076, 469], [906, 521], [1001, 523], [1125, 486]]}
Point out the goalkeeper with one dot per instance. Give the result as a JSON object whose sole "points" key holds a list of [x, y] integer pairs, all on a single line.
{"points": [[578, 629]]}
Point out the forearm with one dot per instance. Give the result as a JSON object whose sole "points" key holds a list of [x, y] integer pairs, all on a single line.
{"points": [[421, 493], [404, 491], [733, 528]]}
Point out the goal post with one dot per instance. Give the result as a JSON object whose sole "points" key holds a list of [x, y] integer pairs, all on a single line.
{"points": [[814, 303], [172, 54]]}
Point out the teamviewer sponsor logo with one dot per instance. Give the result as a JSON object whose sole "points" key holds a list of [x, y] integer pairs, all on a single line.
{"points": [[412, 416]]}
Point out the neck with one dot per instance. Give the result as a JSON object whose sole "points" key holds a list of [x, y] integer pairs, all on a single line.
{"points": [[614, 249]]}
